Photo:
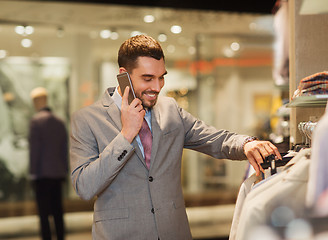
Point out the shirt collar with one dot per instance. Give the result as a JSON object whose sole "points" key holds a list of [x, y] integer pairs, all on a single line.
{"points": [[118, 100]]}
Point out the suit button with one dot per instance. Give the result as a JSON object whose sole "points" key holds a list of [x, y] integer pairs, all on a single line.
{"points": [[151, 179], [125, 152], [152, 210], [119, 158]]}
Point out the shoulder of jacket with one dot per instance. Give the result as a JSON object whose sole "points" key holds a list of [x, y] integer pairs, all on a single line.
{"points": [[166, 100]]}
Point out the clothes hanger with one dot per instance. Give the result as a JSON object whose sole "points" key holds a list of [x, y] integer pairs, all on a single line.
{"points": [[271, 163]]}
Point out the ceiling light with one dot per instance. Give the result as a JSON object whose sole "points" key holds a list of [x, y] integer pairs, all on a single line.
{"points": [[26, 43], [20, 29], [24, 30], [176, 29], [105, 33], [114, 35], [235, 46], [228, 52], [191, 50], [149, 18], [29, 30], [162, 37]]}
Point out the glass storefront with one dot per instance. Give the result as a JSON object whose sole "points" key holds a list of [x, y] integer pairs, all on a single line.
{"points": [[219, 69]]}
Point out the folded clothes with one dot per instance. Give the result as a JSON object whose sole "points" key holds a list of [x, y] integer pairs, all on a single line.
{"points": [[313, 85]]}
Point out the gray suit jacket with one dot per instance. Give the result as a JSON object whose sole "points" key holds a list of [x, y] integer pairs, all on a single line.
{"points": [[133, 202]]}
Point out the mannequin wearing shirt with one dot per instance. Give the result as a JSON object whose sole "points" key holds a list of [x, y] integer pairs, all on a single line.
{"points": [[48, 145]]}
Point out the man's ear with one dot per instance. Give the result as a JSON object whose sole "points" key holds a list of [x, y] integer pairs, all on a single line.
{"points": [[122, 70]]}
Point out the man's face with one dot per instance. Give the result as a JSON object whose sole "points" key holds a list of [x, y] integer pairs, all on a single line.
{"points": [[148, 79]]}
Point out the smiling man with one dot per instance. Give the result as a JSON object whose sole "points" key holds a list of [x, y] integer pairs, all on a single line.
{"points": [[128, 156]]}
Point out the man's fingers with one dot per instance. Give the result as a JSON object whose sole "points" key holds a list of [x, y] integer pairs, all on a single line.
{"points": [[257, 167], [139, 108], [256, 155], [276, 152], [256, 151], [255, 159], [125, 96], [271, 149]]}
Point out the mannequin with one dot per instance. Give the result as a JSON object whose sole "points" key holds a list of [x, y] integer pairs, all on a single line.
{"points": [[48, 146], [39, 96]]}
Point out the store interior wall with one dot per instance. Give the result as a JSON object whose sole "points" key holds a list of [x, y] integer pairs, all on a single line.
{"points": [[223, 96]]}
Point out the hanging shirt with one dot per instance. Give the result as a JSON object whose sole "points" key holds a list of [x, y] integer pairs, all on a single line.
{"points": [[318, 180]]}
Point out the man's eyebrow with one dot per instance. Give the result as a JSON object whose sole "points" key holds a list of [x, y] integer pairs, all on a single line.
{"points": [[147, 75], [151, 75]]}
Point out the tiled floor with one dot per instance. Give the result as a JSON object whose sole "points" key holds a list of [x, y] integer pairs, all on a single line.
{"points": [[78, 224]]}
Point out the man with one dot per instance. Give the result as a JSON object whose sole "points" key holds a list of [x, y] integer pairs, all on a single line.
{"points": [[136, 199], [48, 145]]}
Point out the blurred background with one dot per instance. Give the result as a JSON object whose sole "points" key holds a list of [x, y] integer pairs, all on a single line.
{"points": [[226, 62]]}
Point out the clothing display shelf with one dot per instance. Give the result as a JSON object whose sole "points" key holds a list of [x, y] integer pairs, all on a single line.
{"points": [[309, 101]]}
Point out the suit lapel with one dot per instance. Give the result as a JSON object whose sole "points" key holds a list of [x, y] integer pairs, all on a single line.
{"points": [[138, 152], [156, 131], [114, 116]]}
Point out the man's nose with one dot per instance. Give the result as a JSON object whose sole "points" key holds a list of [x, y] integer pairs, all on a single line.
{"points": [[156, 86]]}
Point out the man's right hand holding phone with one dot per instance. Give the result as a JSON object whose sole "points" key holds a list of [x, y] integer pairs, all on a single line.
{"points": [[131, 116]]}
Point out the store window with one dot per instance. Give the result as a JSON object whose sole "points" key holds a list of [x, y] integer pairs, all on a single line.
{"points": [[219, 69], [234, 92]]}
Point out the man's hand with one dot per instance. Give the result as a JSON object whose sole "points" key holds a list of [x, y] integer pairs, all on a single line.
{"points": [[256, 151], [131, 116]]}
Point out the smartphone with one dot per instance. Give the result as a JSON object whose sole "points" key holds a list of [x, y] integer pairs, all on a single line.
{"points": [[124, 80]]}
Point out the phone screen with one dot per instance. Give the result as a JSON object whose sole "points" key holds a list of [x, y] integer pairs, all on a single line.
{"points": [[124, 80]]}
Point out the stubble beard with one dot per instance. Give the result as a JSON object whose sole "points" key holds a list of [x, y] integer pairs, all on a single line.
{"points": [[147, 104]]}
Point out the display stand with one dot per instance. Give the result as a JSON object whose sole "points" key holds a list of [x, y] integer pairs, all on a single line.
{"points": [[309, 101], [308, 55]]}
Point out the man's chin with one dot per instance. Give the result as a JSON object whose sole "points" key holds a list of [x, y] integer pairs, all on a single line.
{"points": [[149, 105]]}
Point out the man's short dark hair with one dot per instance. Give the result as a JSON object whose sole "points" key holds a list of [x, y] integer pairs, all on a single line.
{"points": [[138, 46]]}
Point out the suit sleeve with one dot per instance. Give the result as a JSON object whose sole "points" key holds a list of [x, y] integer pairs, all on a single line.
{"points": [[220, 144], [93, 171]]}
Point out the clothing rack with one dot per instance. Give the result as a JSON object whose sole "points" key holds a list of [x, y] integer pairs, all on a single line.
{"points": [[306, 129]]}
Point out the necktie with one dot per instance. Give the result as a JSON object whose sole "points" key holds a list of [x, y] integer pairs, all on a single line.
{"points": [[146, 141]]}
